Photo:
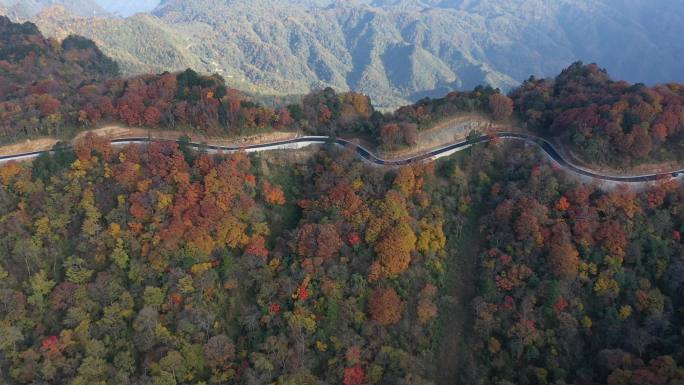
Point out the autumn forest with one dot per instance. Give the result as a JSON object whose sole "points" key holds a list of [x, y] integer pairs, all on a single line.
{"points": [[163, 264]]}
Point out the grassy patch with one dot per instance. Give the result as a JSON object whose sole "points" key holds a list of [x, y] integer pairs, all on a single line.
{"points": [[456, 317]]}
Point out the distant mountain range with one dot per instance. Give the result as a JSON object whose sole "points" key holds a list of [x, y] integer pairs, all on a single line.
{"points": [[393, 50], [127, 7], [24, 9]]}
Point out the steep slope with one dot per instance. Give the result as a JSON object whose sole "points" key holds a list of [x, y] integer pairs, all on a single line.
{"points": [[128, 48], [37, 75], [164, 48], [291, 49], [26, 56]]}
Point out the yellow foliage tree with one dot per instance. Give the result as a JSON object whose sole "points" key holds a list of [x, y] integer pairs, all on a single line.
{"points": [[395, 247], [231, 232], [431, 238], [9, 171], [405, 181]]}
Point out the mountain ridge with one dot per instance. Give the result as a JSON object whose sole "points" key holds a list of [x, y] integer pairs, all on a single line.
{"points": [[396, 51], [25, 9]]}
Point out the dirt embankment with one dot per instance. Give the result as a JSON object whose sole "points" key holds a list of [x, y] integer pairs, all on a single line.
{"points": [[443, 134], [448, 132], [28, 146], [120, 132], [640, 169]]}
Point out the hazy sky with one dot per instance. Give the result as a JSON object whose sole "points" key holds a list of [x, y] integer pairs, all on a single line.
{"points": [[128, 7]]}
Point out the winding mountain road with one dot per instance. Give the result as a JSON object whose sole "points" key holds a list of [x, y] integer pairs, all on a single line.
{"points": [[369, 156]]}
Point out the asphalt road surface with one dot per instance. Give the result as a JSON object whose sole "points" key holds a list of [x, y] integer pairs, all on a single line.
{"points": [[369, 156]]}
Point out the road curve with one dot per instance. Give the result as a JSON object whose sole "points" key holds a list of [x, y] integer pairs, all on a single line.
{"points": [[369, 156]]}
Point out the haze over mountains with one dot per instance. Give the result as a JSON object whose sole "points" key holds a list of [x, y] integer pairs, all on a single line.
{"points": [[21, 9], [28, 8], [393, 50]]}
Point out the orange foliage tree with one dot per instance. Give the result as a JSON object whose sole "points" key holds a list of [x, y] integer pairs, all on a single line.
{"points": [[272, 194], [385, 306], [564, 259], [318, 240]]}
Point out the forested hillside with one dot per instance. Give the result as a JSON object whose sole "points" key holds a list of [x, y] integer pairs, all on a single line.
{"points": [[168, 264], [56, 89], [51, 88], [395, 51], [577, 285], [28, 57], [605, 121], [160, 265]]}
